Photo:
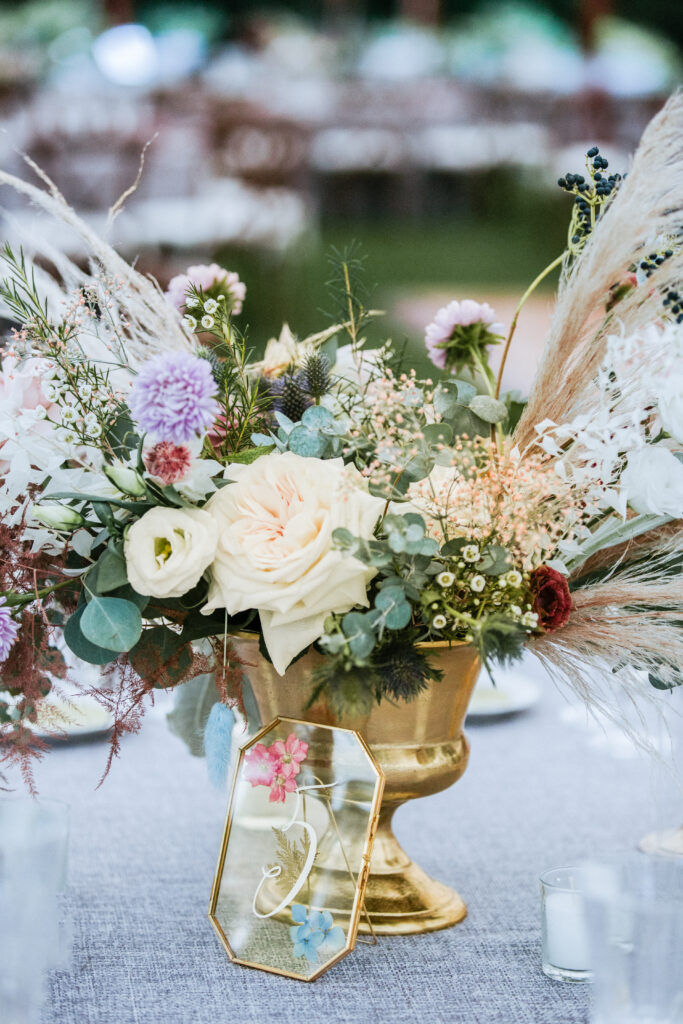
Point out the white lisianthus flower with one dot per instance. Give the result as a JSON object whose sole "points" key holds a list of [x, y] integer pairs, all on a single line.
{"points": [[670, 401], [275, 550], [168, 550], [653, 482]]}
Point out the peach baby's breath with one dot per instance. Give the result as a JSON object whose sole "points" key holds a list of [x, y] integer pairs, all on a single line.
{"points": [[492, 497]]}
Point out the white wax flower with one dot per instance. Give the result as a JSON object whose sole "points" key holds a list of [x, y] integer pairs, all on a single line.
{"points": [[168, 550], [653, 482], [275, 550]]}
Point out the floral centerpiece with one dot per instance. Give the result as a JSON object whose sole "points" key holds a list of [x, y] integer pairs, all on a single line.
{"points": [[163, 488]]}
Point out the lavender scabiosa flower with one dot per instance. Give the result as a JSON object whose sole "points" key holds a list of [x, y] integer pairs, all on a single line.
{"points": [[213, 281], [8, 630], [460, 333], [173, 397]]}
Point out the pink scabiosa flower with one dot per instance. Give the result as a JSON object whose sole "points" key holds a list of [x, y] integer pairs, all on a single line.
{"points": [[213, 281], [260, 766], [168, 462], [460, 333], [8, 630], [290, 753], [173, 397]]}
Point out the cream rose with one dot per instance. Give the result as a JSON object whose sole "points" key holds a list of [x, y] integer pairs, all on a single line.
{"points": [[168, 550], [275, 551]]}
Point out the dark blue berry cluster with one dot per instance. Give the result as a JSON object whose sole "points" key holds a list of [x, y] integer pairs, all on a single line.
{"points": [[674, 301], [590, 192]]}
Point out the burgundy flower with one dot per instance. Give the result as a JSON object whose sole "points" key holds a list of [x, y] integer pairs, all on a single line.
{"points": [[552, 600]]}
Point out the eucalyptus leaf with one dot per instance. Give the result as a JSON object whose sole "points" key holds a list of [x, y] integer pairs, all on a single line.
{"points": [[438, 433], [307, 443], [112, 622], [465, 421], [81, 646], [396, 611], [359, 634], [108, 573], [317, 417], [489, 409]]}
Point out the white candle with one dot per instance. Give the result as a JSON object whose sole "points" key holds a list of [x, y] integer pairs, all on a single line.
{"points": [[566, 934]]}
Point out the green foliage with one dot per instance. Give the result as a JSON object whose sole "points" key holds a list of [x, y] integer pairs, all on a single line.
{"points": [[318, 435], [499, 638], [81, 646], [111, 623], [162, 656]]}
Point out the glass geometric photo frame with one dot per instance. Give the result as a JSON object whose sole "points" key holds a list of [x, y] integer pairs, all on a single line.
{"points": [[290, 882]]}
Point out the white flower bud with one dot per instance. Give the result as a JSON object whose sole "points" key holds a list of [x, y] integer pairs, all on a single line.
{"points": [[127, 480], [58, 517]]}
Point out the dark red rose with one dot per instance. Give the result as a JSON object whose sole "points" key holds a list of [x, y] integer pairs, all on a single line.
{"points": [[552, 600]]}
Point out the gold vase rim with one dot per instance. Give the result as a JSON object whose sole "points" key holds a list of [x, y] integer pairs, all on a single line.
{"points": [[433, 645]]}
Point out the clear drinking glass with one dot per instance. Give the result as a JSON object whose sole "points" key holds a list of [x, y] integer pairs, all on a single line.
{"points": [[564, 933], [635, 915], [33, 857]]}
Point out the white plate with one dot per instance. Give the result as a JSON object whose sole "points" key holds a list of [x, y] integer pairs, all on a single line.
{"points": [[80, 718], [513, 692]]}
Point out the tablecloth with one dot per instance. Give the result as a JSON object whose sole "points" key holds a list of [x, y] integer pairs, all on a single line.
{"points": [[542, 789]]}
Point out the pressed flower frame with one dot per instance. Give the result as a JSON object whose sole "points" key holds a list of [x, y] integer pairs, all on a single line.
{"points": [[301, 818]]}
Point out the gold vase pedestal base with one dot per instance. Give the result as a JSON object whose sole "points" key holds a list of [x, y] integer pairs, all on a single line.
{"points": [[409, 902]]}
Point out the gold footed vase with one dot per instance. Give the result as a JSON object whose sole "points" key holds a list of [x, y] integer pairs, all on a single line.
{"points": [[421, 748]]}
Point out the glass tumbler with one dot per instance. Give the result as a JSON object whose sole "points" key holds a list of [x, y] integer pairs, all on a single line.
{"points": [[564, 933], [33, 856], [635, 915]]}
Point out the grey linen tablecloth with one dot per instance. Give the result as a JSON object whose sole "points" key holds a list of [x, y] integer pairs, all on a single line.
{"points": [[539, 793]]}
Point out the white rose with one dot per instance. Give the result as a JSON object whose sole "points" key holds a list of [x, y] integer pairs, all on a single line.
{"points": [[275, 551], [653, 482], [168, 550], [670, 403]]}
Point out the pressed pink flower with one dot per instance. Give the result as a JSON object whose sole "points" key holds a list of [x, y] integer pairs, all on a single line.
{"points": [[457, 328], [168, 462], [282, 784], [291, 752], [212, 280], [260, 766]]}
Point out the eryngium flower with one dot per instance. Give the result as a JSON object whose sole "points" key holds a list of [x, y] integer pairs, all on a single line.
{"points": [[457, 330], [173, 397], [8, 630]]}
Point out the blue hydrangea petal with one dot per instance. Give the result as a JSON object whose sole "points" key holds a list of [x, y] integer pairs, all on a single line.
{"points": [[299, 912], [335, 938], [325, 920]]}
